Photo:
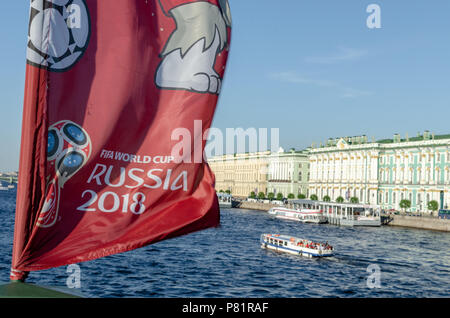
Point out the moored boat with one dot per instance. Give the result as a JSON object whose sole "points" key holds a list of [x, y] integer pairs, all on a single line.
{"points": [[301, 215], [296, 246], [225, 200], [361, 221]]}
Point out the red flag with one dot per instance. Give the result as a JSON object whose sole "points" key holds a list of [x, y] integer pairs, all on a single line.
{"points": [[107, 85]]}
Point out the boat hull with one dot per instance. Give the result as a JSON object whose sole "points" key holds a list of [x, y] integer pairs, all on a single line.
{"points": [[313, 216], [306, 252], [290, 245], [375, 222], [225, 205]]}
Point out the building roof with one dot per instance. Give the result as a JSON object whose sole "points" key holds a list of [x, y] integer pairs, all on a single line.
{"points": [[417, 138]]}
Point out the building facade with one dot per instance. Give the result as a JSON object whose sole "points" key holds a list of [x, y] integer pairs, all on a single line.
{"points": [[288, 173], [384, 172], [241, 173]]}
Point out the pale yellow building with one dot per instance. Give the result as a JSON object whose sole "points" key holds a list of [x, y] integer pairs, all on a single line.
{"points": [[241, 173]]}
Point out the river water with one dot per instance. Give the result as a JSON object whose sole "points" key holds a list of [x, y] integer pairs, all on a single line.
{"points": [[228, 262]]}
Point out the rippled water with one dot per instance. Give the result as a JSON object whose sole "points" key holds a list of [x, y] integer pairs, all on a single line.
{"points": [[228, 262]]}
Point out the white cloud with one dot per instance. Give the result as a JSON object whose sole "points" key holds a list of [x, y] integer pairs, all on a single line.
{"points": [[292, 77], [295, 78], [353, 93], [343, 54]]}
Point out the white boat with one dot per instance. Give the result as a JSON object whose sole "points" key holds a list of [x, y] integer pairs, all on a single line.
{"points": [[361, 221], [301, 215], [225, 200], [296, 246], [347, 214]]}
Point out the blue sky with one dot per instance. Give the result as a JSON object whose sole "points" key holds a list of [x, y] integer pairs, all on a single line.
{"points": [[309, 67]]}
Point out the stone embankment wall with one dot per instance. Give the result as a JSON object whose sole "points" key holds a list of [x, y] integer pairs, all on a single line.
{"points": [[418, 222], [426, 223], [254, 205]]}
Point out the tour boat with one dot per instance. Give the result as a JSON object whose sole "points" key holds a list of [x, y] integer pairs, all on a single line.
{"points": [[296, 246], [361, 221], [225, 200], [301, 215]]}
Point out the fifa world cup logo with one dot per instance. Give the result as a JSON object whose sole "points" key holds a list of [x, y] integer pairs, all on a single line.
{"points": [[68, 149]]}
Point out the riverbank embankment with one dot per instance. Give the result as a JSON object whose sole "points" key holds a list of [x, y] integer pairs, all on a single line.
{"points": [[254, 205], [417, 222], [420, 222]]}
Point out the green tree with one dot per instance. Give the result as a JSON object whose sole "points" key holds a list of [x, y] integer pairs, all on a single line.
{"points": [[252, 195], [261, 195], [326, 198], [270, 195], [354, 200], [433, 205], [279, 196], [314, 197], [228, 191], [221, 191], [301, 196], [405, 204], [339, 199], [291, 196]]}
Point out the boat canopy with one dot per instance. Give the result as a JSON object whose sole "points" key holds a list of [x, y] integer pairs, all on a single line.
{"points": [[304, 201], [324, 203], [223, 195]]}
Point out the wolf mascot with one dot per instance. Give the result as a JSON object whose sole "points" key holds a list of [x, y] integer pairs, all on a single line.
{"points": [[189, 56]]}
